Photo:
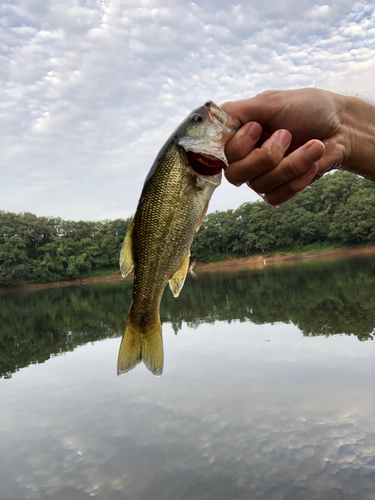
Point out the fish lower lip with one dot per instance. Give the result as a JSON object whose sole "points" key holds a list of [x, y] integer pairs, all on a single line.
{"points": [[204, 165]]}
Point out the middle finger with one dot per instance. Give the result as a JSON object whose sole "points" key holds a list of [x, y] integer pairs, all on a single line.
{"points": [[260, 160]]}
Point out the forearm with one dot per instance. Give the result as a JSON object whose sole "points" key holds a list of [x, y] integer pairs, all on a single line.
{"points": [[359, 123]]}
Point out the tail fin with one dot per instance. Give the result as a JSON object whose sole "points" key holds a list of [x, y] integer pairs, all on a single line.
{"points": [[137, 346]]}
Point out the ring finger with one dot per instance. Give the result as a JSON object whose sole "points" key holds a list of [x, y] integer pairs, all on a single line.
{"points": [[290, 168]]}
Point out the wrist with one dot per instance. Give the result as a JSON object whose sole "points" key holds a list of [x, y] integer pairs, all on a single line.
{"points": [[359, 125]]}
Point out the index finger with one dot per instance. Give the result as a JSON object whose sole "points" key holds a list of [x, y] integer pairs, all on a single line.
{"points": [[243, 142]]}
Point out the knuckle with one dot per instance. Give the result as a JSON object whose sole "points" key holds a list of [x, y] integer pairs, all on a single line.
{"points": [[239, 149], [232, 176], [251, 185], [273, 199], [267, 93], [229, 175], [294, 169], [259, 186], [225, 104], [263, 185], [294, 189], [275, 203], [267, 158]]}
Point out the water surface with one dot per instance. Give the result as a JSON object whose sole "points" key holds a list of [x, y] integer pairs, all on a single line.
{"points": [[267, 391]]}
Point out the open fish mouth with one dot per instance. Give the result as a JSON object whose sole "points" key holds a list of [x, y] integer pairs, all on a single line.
{"points": [[205, 163]]}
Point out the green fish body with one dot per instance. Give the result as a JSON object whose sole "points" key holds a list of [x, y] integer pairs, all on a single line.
{"points": [[172, 206]]}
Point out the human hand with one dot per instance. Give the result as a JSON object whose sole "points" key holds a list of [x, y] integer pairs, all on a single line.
{"points": [[300, 135]]}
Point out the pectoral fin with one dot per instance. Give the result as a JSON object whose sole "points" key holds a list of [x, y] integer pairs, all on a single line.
{"points": [[178, 279], [202, 217], [190, 189], [126, 254]]}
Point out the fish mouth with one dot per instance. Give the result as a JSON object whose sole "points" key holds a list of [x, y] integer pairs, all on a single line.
{"points": [[205, 164], [217, 115]]}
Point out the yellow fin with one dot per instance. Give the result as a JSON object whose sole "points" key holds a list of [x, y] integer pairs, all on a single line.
{"points": [[126, 254], [178, 279], [137, 346]]}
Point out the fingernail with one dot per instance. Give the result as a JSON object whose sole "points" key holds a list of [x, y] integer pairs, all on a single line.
{"points": [[315, 152], [284, 138], [254, 131]]}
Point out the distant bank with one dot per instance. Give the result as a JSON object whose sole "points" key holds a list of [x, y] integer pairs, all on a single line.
{"points": [[282, 259], [236, 264]]}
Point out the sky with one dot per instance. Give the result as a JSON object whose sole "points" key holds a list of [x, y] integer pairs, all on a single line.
{"points": [[91, 89]]}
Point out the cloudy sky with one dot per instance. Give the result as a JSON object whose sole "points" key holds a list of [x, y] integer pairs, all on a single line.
{"points": [[91, 89]]}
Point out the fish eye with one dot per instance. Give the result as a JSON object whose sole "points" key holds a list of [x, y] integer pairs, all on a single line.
{"points": [[195, 118]]}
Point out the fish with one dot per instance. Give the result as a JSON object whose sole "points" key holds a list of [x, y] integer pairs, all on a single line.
{"points": [[173, 203]]}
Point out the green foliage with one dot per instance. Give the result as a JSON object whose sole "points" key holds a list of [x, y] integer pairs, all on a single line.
{"points": [[338, 210], [43, 249], [13, 261], [354, 222]]}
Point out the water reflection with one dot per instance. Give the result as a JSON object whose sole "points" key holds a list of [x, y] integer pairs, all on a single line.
{"points": [[292, 419], [233, 416], [319, 298]]}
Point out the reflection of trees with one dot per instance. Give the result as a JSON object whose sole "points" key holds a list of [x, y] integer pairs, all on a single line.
{"points": [[38, 325], [320, 298]]}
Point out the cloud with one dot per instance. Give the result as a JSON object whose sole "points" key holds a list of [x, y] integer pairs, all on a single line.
{"points": [[92, 90]]}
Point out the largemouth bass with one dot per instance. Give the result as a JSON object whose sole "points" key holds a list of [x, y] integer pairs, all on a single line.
{"points": [[172, 206]]}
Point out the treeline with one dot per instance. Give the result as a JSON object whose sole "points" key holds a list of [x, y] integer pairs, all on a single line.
{"points": [[42, 249], [338, 209]]}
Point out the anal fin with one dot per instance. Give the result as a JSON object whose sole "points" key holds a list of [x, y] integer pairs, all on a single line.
{"points": [[178, 279]]}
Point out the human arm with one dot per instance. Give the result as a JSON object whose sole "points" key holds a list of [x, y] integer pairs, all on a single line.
{"points": [[289, 138]]}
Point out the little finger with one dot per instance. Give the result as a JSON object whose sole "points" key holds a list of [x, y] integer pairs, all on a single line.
{"points": [[289, 190]]}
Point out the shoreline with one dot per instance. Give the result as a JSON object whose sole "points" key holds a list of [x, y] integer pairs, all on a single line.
{"points": [[277, 260], [232, 264]]}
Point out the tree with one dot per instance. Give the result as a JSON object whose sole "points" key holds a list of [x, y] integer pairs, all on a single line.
{"points": [[14, 263], [354, 222]]}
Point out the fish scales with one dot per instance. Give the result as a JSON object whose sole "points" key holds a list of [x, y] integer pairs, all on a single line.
{"points": [[161, 235], [172, 205]]}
